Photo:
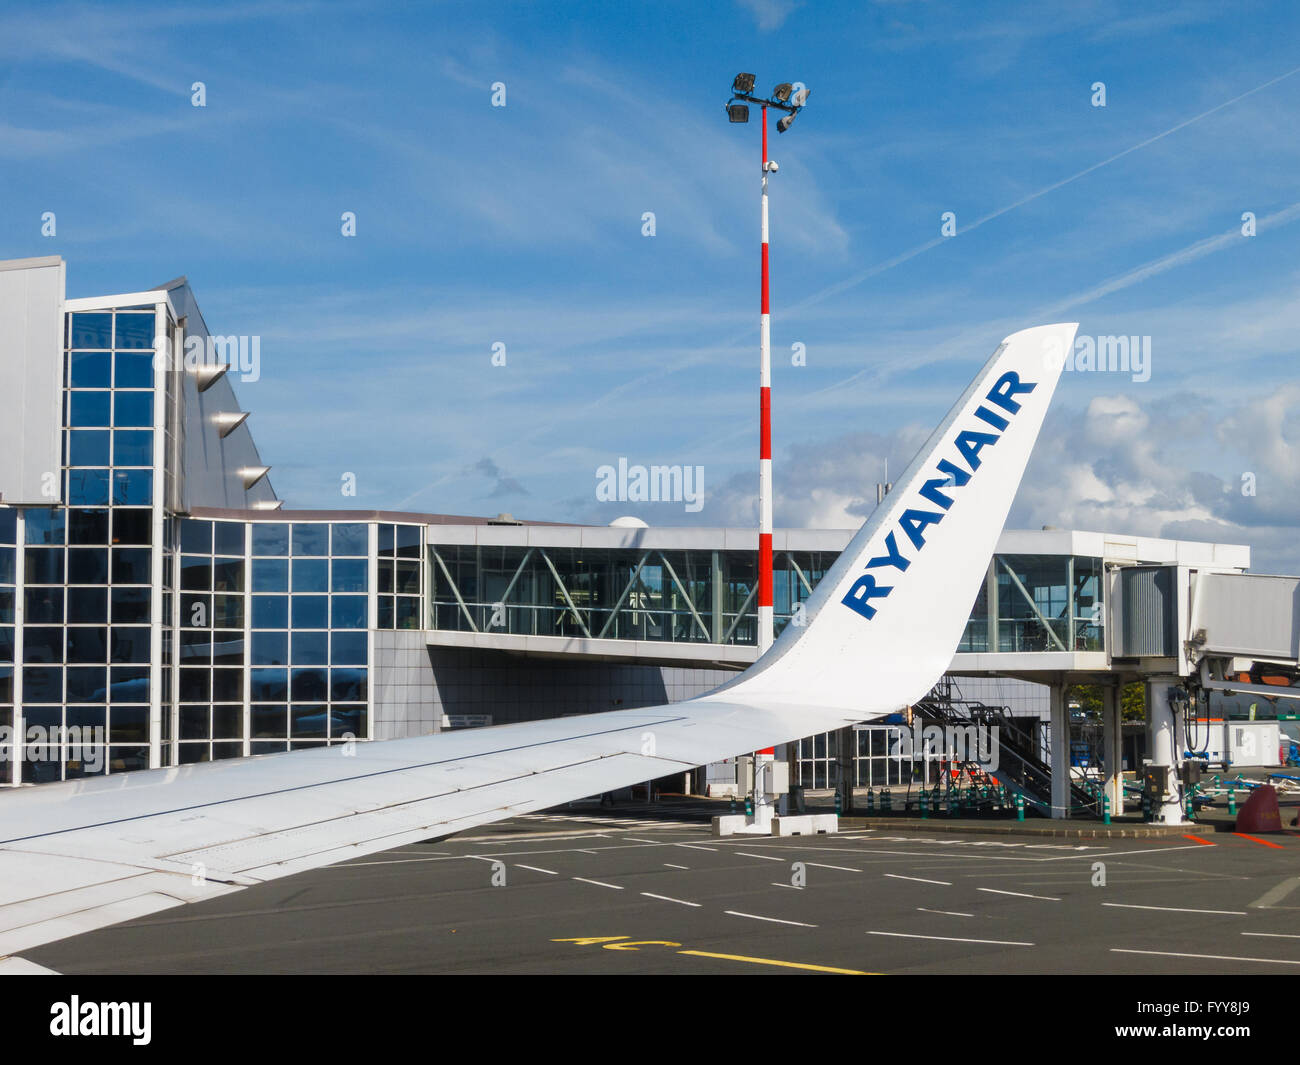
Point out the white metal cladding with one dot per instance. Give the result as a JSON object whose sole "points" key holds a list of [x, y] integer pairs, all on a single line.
{"points": [[1248, 614], [31, 379]]}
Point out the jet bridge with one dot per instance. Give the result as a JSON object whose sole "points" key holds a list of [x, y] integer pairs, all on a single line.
{"points": [[1188, 632]]}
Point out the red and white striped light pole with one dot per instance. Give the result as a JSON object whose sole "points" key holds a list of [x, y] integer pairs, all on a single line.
{"points": [[765, 625], [782, 99]]}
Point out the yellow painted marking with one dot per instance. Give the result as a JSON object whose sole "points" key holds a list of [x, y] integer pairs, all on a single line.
{"points": [[773, 961], [634, 944], [586, 941]]}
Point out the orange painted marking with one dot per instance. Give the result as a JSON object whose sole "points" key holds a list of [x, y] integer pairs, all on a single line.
{"points": [[1263, 842], [1197, 839]]}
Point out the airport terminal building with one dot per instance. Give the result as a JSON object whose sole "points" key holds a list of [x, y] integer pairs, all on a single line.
{"points": [[156, 598]]}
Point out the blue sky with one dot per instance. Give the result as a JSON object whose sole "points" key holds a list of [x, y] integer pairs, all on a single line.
{"points": [[523, 225]]}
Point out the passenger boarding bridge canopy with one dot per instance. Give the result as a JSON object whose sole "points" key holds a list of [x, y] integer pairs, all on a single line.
{"points": [[683, 595]]}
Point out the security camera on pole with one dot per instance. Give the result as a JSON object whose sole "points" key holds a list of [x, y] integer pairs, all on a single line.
{"points": [[783, 98]]}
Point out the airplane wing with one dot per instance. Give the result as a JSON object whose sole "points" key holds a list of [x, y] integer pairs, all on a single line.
{"points": [[875, 636]]}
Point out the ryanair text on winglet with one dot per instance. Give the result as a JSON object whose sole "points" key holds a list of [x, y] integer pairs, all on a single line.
{"points": [[914, 521]]}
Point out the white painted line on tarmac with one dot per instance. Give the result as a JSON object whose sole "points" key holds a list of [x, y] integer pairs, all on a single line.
{"points": [[535, 869], [946, 913], [695, 847], [1174, 909], [918, 879], [839, 868], [665, 898], [1272, 935], [1209, 957], [778, 920], [954, 939], [671, 866], [765, 857], [1276, 894], [598, 883], [1020, 894]]}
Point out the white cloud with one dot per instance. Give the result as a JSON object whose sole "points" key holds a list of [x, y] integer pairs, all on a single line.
{"points": [[769, 14]]}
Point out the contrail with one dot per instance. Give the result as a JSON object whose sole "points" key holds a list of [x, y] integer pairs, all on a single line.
{"points": [[897, 260], [1197, 250], [920, 249]]}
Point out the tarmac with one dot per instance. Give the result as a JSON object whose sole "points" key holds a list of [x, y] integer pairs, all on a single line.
{"points": [[647, 889]]}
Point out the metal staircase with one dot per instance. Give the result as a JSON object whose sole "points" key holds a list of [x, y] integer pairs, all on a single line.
{"points": [[1019, 767]]}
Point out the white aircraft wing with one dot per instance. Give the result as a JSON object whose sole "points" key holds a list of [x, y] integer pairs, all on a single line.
{"points": [[876, 634]]}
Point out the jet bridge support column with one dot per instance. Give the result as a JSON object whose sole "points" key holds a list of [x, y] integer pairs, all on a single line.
{"points": [[1112, 747], [1163, 737], [1060, 715]]}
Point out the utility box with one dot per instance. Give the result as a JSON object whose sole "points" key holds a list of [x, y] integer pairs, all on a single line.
{"points": [[1155, 781], [744, 774]]}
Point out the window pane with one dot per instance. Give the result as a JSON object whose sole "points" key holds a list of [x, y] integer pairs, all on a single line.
{"points": [[309, 685], [88, 605], [44, 526], [270, 611], [133, 447], [88, 447], [43, 606], [311, 575], [270, 649], [88, 408], [131, 606], [88, 526], [228, 538], [349, 575], [196, 536], [228, 575], [91, 331], [43, 565], [310, 648], [128, 684], [310, 612], [131, 527], [408, 541], [132, 408], [128, 645], [351, 539], [42, 646], [311, 539], [270, 539], [87, 488], [348, 685], [270, 575], [87, 644], [133, 369], [128, 724], [349, 648], [88, 565], [131, 565], [348, 612], [134, 330]]}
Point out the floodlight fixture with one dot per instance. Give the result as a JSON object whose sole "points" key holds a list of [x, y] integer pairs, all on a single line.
{"points": [[744, 83], [737, 112], [786, 122], [782, 92], [801, 97]]}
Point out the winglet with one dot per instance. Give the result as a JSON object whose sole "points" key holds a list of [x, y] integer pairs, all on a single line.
{"points": [[883, 624]]}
